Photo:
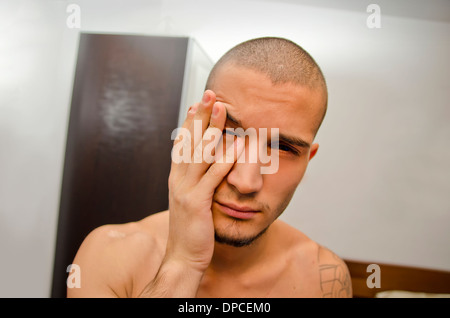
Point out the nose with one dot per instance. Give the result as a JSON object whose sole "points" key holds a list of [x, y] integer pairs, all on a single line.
{"points": [[246, 177]]}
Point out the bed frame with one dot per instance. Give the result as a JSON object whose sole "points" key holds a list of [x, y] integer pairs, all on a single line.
{"points": [[397, 277]]}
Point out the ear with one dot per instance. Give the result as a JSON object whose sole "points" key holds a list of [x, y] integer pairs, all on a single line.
{"points": [[313, 150]]}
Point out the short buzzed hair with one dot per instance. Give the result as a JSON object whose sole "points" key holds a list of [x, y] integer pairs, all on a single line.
{"points": [[282, 60]]}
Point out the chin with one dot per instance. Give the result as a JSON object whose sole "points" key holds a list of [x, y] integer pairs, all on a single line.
{"points": [[237, 241], [236, 232]]}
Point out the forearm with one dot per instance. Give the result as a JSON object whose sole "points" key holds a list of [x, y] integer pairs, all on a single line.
{"points": [[173, 280]]}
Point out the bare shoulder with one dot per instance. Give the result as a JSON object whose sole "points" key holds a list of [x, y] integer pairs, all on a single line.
{"points": [[318, 268], [112, 255], [335, 278]]}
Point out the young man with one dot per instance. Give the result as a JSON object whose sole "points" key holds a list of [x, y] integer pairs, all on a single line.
{"points": [[221, 236]]}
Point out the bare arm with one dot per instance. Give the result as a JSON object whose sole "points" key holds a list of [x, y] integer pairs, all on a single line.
{"points": [[97, 269], [173, 280]]}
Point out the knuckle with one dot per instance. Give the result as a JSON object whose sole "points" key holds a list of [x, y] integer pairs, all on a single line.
{"points": [[177, 198]]}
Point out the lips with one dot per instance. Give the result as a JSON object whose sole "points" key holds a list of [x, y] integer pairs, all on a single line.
{"points": [[237, 211]]}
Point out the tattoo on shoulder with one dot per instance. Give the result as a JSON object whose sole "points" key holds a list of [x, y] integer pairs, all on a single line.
{"points": [[334, 276]]}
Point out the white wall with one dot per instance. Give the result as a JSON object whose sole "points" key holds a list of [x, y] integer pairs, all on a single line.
{"points": [[378, 188]]}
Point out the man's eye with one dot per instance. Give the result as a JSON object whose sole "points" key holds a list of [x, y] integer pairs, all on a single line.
{"points": [[229, 135], [283, 147], [229, 132]]}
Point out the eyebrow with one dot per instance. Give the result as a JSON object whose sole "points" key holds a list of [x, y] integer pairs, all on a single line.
{"points": [[295, 141]]}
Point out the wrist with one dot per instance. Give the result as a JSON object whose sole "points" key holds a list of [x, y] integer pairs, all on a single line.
{"points": [[185, 265], [175, 278]]}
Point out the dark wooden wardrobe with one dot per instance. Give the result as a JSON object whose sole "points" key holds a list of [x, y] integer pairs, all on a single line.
{"points": [[126, 102]]}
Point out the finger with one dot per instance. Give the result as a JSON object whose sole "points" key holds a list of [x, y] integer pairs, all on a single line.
{"points": [[204, 154], [218, 170], [187, 122], [181, 153], [190, 115], [201, 118], [190, 134]]}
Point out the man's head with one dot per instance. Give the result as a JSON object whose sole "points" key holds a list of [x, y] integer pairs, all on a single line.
{"points": [[282, 60], [266, 83]]}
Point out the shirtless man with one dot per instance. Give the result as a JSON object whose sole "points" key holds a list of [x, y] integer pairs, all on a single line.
{"points": [[221, 236]]}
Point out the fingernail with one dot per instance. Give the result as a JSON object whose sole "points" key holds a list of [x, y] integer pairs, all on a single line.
{"points": [[192, 109], [206, 98]]}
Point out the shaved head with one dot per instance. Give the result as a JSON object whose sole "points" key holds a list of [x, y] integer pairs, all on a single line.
{"points": [[282, 60]]}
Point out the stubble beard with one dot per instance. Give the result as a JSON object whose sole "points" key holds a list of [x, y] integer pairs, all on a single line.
{"points": [[237, 241]]}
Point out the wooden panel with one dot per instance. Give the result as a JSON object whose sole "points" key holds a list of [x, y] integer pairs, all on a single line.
{"points": [[395, 277], [125, 104]]}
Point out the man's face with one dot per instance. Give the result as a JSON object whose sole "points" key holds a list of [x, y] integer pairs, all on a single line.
{"points": [[252, 101]]}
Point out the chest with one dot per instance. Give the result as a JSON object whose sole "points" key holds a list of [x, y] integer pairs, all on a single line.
{"points": [[286, 284]]}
